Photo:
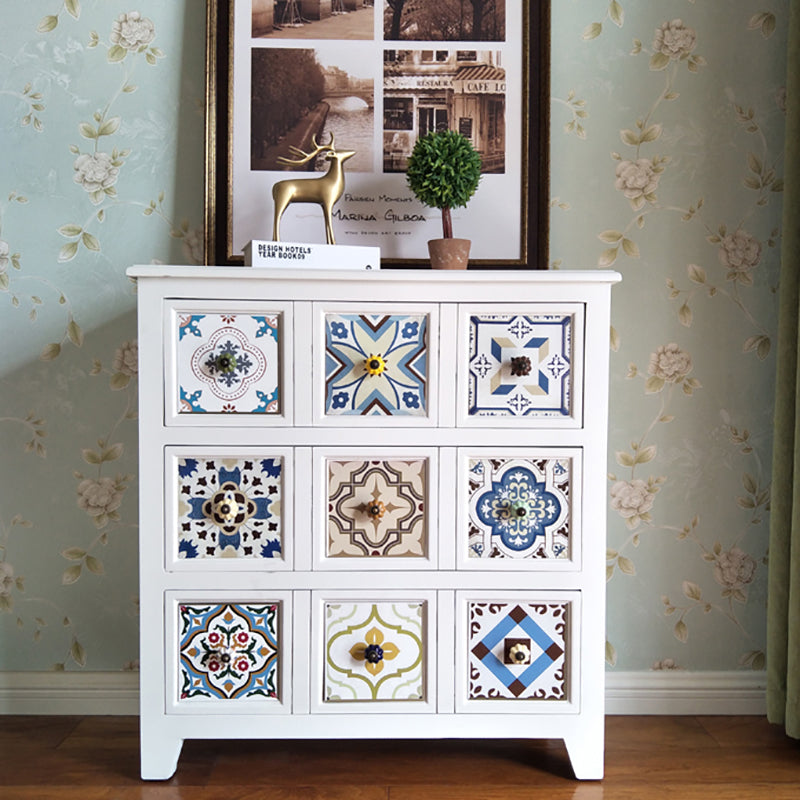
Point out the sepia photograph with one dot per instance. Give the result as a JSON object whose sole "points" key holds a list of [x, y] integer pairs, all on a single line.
{"points": [[313, 19], [444, 20], [430, 90], [300, 98]]}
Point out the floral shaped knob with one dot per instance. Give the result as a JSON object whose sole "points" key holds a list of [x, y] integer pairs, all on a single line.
{"points": [[375, 365], [519, 653], [520, 366], [225, 362], [376, 509], [225, 506], [373, 653]]}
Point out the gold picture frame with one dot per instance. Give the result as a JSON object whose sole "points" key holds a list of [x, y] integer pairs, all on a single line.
{"points": [[525, 102]]}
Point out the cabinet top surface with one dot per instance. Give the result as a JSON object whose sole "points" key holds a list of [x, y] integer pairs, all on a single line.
{"points": [[421, 276]]}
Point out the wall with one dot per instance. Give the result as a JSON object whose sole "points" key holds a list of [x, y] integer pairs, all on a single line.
{"points": [[666, 165]]}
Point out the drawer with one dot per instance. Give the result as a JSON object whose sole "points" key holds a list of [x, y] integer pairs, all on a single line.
{"points": [[521, 365], [517, 652], [375, 509], [228, 652], [228, 508], [519, 508], [375, 364], [228, 363], [373, 651]]}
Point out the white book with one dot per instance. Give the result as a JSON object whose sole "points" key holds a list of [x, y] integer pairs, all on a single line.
{"points": [[310, 256]]}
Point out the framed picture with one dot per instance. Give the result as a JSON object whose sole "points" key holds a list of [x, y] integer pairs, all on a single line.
{"points": [[292, 77]]}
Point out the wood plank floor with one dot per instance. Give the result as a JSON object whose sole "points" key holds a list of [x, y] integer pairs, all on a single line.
{"points": [[647, 758]]}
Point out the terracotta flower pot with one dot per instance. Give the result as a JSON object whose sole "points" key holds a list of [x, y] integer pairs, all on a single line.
{"points": [[449, 253]]}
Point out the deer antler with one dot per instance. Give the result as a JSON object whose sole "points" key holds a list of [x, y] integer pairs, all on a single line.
{"points": [[303, 157]]}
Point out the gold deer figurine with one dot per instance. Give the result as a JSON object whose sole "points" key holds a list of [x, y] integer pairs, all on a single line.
{"points": [[323, 191]]}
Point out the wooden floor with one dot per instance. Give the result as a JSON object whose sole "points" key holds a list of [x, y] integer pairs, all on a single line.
{"points": [[680, 758]]}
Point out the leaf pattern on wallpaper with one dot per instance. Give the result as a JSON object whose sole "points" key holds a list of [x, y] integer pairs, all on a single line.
{"points": [[11, 283], [98, 494], [97, 171], [614, 13], [739, 253], [33, 106], [637, 176], [577, 109], [49, 22], [632, 497]]}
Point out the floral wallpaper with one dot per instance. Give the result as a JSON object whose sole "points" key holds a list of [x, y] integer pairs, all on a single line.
{"points": [[666, 136]]}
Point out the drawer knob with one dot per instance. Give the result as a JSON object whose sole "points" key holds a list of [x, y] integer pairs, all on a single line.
{"points": [[519, 654], [225, 362], [376, 509], [375, 365], [373, 653], [225, 506], [520, 366], [519, 510]]}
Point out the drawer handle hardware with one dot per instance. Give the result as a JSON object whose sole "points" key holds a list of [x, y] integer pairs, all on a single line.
{"points": [[225, 362], [519, 653], [520, 366], [375, 365], [519, 510], [376, 510], [225, 506], [373, 653]]}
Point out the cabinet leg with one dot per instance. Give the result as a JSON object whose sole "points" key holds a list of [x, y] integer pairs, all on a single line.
{"points": [[586, 755], [159, 756]]}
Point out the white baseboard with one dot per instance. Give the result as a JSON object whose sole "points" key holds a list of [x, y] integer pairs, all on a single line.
{"points": [[634, 693], [113, 693], [686, 693]]}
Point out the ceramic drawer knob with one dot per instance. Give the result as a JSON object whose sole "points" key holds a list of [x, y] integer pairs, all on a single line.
{"points": [[225, 506], [375, 365], [376, 509], [225, 362], [520, 366], [519, 510], [373, 653], [519, 654]]}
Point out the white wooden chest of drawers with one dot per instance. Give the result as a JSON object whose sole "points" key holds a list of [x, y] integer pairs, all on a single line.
{"points": [[372, 505]]}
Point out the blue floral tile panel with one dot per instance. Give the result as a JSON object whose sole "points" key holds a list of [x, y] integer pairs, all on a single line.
{"points": [[376, 364], [228, 363], [230, 507], [519, 508]]}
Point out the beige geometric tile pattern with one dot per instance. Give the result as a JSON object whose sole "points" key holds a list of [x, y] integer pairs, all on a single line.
{"points": [[377, 508]]}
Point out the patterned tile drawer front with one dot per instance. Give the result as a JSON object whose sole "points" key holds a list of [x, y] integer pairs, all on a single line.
{"points": [[374, 651], [376, 364], [517, 650], [377, 508], [228, 362], [520, 365], [519, 508], [230, 507], [229, 651]]}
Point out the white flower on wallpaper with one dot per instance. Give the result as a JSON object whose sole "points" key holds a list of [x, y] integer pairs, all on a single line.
{"points": [[633, 499], [132, 31], [740, 253], [96, 173], [638, 180], [673, 41]]}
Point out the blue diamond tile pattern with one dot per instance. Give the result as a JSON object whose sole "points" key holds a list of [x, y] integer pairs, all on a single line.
{"points": [[539, 678]]}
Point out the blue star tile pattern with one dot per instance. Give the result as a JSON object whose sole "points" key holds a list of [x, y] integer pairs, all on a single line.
{"points": [[540, 675], [396, 347]]}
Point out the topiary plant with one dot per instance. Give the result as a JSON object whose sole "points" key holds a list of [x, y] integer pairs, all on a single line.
{"points": [[443, 171]]}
